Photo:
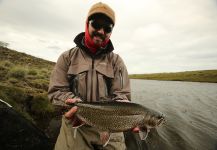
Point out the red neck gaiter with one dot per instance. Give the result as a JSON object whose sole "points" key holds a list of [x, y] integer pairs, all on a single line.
{"points": [[89, 42]]}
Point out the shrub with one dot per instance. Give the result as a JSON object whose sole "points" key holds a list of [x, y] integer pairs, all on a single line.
{"points": [[13, 80], [41, 105], [40, 84], [3, 72], [7, 64], [18, 72], [32, 72]]}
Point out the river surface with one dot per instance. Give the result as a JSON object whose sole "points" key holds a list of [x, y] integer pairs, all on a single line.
{"points": [[190, 109]]}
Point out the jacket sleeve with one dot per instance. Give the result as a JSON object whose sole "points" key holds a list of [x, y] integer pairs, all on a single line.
{"points": [[59, 90], [121, 83]]}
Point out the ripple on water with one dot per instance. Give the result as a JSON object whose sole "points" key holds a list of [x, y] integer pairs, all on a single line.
{"points": [[190, 110]]}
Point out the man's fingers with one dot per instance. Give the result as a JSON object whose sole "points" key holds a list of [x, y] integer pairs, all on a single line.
{"points": [[69, 114], [72, 100], [123, 100], [136, 129]]}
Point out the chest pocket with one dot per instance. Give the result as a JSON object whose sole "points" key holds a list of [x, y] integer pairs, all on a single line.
{"points": [[77, 76], [105, 76]]}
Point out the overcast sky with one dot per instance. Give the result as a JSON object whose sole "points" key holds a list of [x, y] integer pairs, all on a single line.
{"points": [[150, 35]]}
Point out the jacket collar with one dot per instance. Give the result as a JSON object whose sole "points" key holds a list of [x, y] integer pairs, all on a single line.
{"points": [[79, 41]]}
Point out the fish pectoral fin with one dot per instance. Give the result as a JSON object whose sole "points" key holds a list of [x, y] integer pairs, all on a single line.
{"points": [[105, 137], [76, 128], [76, 123], [143, 133]]}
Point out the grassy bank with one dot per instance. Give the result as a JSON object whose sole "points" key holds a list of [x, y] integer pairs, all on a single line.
{"points": [[24, 83], [193, 76]]}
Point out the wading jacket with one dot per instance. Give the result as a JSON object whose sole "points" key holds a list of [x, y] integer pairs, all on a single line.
{"points": [[79, 73]]}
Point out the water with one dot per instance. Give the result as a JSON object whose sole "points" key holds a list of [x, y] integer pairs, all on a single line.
{"points": [[190, 109]]}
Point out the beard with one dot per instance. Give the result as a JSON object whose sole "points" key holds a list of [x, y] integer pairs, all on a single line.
{"points": [[95, 33]]}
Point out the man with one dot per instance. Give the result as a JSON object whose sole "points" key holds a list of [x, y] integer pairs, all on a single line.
{"points": [[89, 72]]}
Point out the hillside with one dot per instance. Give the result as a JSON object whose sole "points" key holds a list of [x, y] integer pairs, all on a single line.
{"points": [[24, 83]]}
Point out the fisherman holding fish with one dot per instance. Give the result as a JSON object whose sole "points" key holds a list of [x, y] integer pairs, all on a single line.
{"points": [[94, 79], [89, 72]]}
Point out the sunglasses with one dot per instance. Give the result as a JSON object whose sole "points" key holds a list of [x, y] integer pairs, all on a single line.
{"points": [[107, 27]]}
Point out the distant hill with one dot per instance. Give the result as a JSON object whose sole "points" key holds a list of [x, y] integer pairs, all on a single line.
{"points": [[192, 76], [24, 83]]}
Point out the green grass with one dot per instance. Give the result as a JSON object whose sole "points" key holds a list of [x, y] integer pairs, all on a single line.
{"points": [[193, 76], [24, 83]]}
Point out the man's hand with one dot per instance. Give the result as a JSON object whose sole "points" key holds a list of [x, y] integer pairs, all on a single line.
{"points": [[124, 100], [136, 129], [72, 100], [70, 115]]}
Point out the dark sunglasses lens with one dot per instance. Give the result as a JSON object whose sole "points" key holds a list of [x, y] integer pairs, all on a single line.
{"points": [[97, 26], [107, 29]]}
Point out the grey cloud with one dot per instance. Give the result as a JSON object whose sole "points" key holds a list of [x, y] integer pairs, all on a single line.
{"points": [[54, 47], [152, 36], [39, 16]]}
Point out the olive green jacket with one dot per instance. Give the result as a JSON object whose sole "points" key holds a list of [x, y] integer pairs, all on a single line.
{"points": [[78, 73]]}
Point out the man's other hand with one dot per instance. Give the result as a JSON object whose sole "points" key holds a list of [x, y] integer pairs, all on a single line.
{"points": [[70, 114]]}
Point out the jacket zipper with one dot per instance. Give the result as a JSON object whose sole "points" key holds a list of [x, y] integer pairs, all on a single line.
{"points": [[121, 78], [91, 90], [106, 88], [76, 85]]}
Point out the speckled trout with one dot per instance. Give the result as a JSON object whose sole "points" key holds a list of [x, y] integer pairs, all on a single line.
{"points": [[118, 116]]}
